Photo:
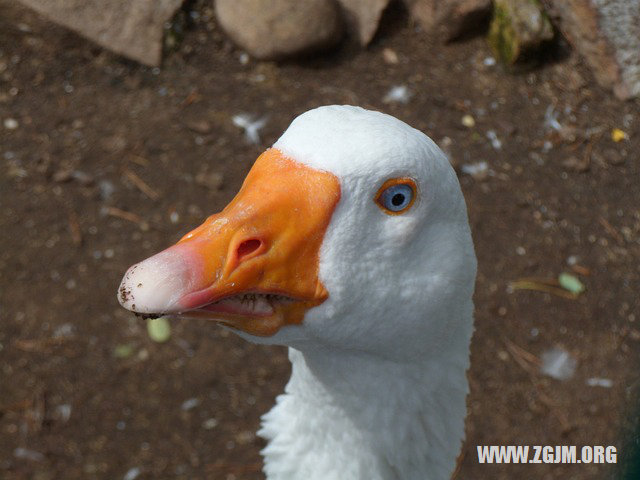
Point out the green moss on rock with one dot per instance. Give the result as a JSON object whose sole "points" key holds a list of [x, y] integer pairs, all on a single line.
{"points": [[518, 29]]}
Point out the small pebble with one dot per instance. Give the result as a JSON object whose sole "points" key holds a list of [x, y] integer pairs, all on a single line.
{"points": [[489, 62], [190, 404], [10, 123], [245, 437], [390, 56], [132, 474], [63, 412], [600, 382], [210, 180], [143, 354], [106, 189], [495, 141], [468, 121], [478, 170], [210, 424], [26, 454], [66, 330], [398, 94]]}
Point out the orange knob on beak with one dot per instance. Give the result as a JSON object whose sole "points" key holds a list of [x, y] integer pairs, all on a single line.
{"points": [[254, 266]]}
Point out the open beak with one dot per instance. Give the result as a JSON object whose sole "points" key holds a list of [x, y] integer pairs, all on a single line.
{"points": [[253, 266]]}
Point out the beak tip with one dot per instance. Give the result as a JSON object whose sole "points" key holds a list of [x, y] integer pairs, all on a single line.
{"points": [[137, 299], [127, 291], [156, 285]]}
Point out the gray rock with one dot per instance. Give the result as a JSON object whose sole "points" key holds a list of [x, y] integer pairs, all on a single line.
{"points": [[363, 17], [607, 34], [276, 29], [133, 28], [449, 19]]}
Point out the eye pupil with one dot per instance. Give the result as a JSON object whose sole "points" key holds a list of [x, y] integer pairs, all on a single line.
{"points": [[397, 199]]}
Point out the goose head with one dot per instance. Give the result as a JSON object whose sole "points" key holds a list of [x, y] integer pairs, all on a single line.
{"points": [[350, 233], [348, 242]]}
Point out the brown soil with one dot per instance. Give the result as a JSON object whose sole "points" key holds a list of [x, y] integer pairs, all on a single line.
{"points": [[111, 162]]}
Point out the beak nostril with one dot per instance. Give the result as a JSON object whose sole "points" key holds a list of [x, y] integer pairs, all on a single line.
{"points": [[247, 247]]}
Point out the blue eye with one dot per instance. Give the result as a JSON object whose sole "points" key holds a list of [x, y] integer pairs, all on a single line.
{"points": [[396, 195]]}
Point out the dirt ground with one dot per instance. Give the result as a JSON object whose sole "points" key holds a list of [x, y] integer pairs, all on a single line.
{"points": [[104, 162]]}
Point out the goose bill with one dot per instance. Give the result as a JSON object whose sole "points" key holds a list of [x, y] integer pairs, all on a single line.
{"points": [[253, 266]]}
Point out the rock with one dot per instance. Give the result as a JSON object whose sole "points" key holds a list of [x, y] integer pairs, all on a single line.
{"points": [[133, 28], [363, 17], [468, 121], [276, 29], [607, 34], [518, 29], [390, 56], [450, 19], [10, 123]]}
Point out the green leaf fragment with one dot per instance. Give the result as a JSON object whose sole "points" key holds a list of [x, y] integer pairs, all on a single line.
{"points": [[570, 283], [159, 329], [123, 350]]}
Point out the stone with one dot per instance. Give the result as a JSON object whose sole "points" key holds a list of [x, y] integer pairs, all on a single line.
{"points": [[363, 17], [607, 34], [576, 164], [519, 28], [450, 19], [132, 28], [277, 29]]}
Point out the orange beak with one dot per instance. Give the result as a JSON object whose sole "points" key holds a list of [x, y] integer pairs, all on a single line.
{"points": [[253, 266]]}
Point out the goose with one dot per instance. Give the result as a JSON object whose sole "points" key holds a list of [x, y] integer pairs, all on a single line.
{"points": [[349, 243]]}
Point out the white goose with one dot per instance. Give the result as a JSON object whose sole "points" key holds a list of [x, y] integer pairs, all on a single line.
{"points": [[348, 242]]}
